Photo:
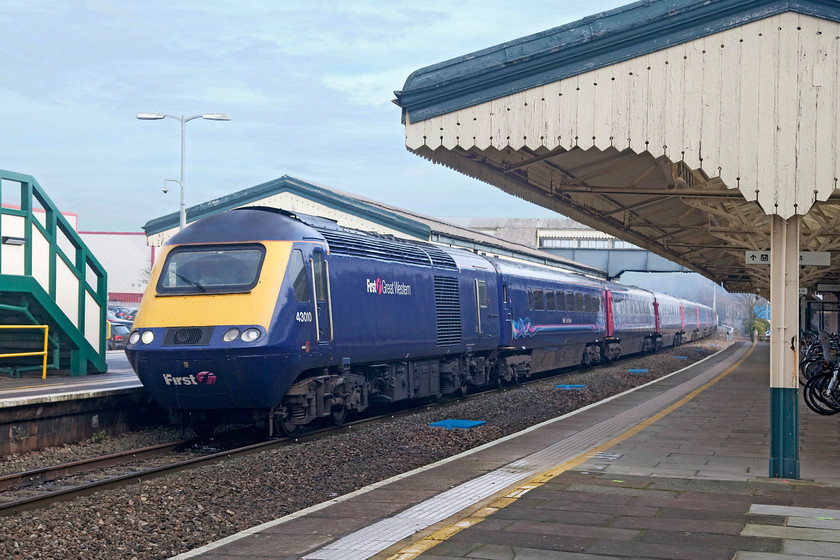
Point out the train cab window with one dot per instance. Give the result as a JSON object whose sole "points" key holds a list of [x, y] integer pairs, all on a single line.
{"points": [[539, 299], [570, 301], [320, 276], [481, 293], [549, 300], [297, 272], [561, 301], [579, 302], [211, 269]]}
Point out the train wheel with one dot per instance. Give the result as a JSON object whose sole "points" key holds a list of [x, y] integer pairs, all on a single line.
{"points": [[203, 428], [464, 390], [286, 427], [338, 415]]}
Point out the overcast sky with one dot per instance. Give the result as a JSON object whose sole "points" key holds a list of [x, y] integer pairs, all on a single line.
{"points": [[308, 85]]}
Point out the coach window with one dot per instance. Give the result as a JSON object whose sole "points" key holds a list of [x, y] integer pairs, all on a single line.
{"points": [[579, 302], [561, 301], [539, 299], [549, 300], [297, 271], [570, 301]]}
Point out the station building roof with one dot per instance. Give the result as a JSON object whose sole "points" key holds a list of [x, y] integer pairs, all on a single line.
{"points": [[680, 126], [352, 211]]}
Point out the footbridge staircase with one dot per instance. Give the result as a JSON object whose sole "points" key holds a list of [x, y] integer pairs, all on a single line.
{"points": [[53, 292]]}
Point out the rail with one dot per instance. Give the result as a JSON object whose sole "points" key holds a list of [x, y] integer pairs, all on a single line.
{"points": [[39, 353]]}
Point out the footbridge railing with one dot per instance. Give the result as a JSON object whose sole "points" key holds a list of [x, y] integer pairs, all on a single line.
{"points": [[48, 277]]}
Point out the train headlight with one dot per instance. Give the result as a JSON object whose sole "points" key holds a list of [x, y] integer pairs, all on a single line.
{"points": [[134, 338], [231, 335], [250, 335], [147, 337]]}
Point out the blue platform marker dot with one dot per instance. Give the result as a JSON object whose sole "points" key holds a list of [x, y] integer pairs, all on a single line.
{"points": [[570, 387], [637, 370], [681, 357], [459, 424]]}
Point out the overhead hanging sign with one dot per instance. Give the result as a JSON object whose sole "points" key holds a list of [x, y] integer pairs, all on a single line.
{"points": [[758, 257], [806, 258]]}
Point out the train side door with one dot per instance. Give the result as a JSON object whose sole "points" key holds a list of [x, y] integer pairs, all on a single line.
{"points": [[487, 315], [609, 327], [323, 306]]}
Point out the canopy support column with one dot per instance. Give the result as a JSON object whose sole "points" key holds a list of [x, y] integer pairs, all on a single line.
{"points": [[784, 347]]}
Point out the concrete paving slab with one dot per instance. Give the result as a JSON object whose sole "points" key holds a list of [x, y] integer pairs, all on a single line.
{"points": [[810, 548], [795, 533], [834, 525], [742, 555], [791, 511]]}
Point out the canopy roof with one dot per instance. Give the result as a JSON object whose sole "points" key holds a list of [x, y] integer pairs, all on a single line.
{"points": [[679, 126]]}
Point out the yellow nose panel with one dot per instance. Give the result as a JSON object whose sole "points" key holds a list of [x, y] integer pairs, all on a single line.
{"points": [[200, 310]]}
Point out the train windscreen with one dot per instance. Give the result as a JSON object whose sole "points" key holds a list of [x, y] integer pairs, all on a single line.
{"points": [[211, 269]]}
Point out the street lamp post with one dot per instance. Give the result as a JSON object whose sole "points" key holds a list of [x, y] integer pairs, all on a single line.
{"points": [[184, 120]]}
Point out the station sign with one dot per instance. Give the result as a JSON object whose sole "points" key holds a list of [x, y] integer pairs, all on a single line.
{"points": [[806, 258], [758, 257]]}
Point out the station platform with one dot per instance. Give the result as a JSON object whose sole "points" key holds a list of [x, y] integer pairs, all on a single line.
{"points": [[17, 391], [36, 413], [674, 469]]}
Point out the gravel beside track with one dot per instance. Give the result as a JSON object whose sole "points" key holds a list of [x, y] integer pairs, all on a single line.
{"points": [[166, 516]]}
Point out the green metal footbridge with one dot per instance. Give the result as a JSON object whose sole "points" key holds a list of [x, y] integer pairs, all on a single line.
{"points": [[53, 292]]}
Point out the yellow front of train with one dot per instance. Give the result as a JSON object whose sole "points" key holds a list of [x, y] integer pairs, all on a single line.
{"points": [[203, 339]]}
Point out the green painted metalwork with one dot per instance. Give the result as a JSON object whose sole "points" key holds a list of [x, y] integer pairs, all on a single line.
{"points": [[49, 236], [784, 433]]}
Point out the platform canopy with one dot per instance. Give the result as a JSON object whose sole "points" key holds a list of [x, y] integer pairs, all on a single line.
{"points": [[680, 126]]}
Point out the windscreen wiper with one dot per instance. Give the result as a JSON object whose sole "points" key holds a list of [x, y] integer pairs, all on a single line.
{"points": [[191, 281]]}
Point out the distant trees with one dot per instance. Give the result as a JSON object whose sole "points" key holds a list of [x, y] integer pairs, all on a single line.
{"points": [[752, 322]]}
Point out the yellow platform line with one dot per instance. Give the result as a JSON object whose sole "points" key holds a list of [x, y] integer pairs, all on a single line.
{"points": [[31, 387], [416, 549]]}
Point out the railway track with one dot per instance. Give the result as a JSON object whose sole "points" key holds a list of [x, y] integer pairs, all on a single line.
{"points": [[45, 486], [42, 487]]}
